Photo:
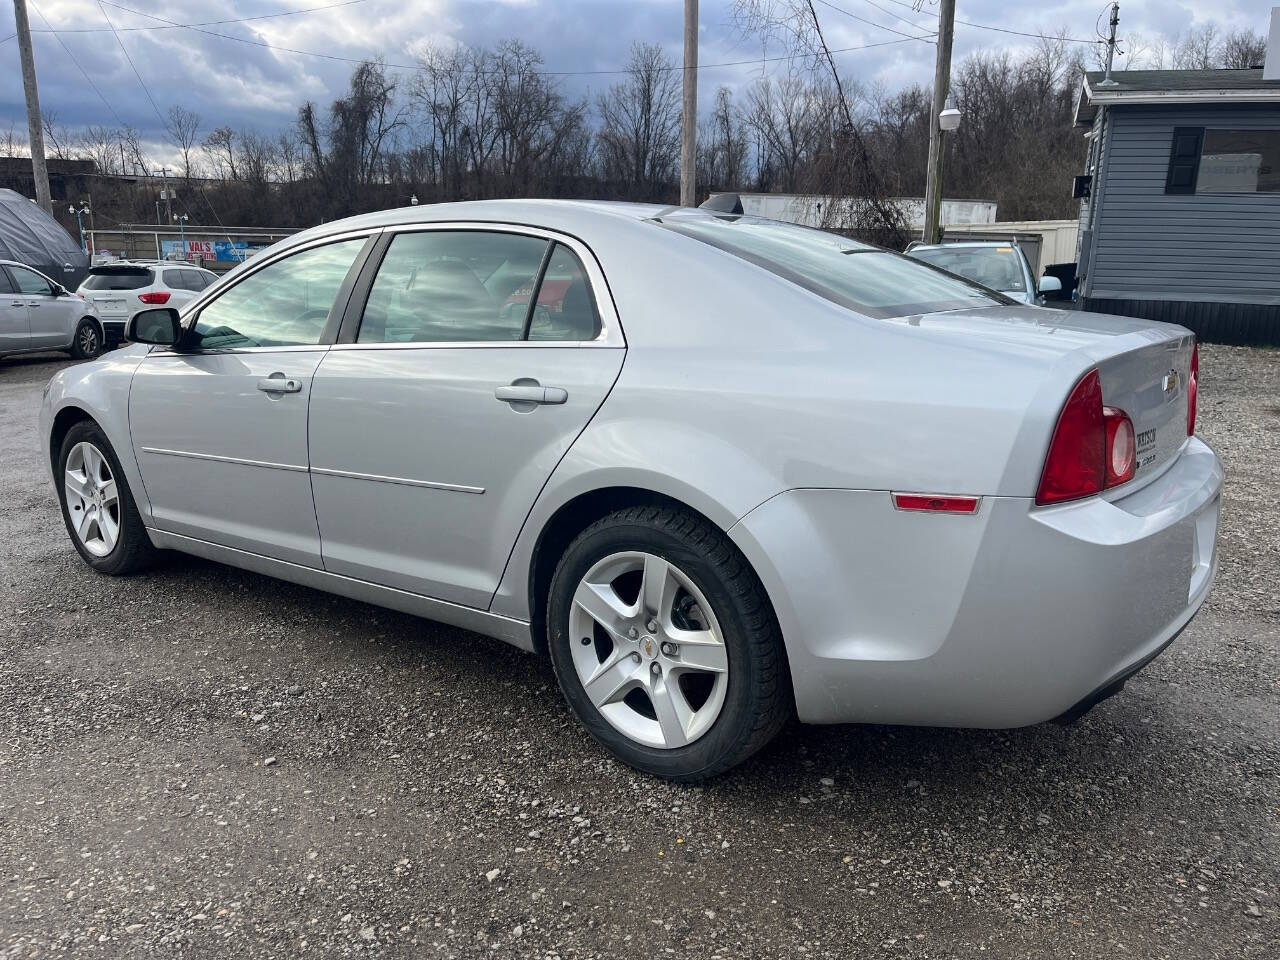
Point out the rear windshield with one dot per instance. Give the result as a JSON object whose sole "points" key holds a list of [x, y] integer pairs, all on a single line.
{"points": [[994, 267], [118, 278], [865, 278]]}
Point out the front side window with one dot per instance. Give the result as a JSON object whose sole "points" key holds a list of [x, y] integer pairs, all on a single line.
{"points": [[1239, 161], [281, 305], [453, 286], [30, 282], [861, 277], [996, 267]]}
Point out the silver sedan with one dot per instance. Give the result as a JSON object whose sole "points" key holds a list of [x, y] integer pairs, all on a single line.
{"points": [[38, 314], [721, 470]]}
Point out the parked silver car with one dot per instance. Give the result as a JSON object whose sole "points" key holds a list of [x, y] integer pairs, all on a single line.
{"points": [[1000, 266], [720, 469], [38, 314]]}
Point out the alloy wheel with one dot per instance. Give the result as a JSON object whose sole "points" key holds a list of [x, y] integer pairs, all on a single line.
{"points": [[648, 650], [88, 340], [93, 503]]}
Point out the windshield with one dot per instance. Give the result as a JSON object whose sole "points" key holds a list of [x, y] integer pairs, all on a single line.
{"points": [[994, 267], [118, 279], [865, 278]]}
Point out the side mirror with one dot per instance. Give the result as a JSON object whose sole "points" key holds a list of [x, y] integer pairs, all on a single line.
{"points": [[59, 290], [156, 325], [1050, 285]]}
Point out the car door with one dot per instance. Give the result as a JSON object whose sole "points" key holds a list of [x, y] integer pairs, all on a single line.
{"points": [[15, 323], [47, 313], [476, 359], [219, 425]]}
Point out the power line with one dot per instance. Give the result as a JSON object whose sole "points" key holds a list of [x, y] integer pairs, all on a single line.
{"points": [[142, 83], [881, 26], [545, 73], [1016, 33], [887, 11], [203, 23], [87, 79]]}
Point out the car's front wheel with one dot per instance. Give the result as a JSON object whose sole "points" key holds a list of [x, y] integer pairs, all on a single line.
{"points": [[87, 343], [664, 644], [97, 505]]}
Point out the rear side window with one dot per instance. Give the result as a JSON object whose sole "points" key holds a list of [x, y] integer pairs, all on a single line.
{"points": [[284, 304], [134, 279], [861, 277], [565, 309], [453, 286], [177, 280]]}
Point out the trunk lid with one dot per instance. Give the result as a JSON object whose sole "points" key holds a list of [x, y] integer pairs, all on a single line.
{"points": [[1144, 365]]}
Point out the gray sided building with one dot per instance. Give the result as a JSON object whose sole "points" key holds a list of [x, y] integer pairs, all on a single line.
{"points": [[1180, 212]]}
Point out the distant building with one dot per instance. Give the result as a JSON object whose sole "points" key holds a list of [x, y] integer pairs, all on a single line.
{"points": [[69, 180], [813, 210], [1180, 218]]}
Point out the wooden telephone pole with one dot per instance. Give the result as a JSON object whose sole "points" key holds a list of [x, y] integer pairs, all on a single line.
{"points": [[39, 172], [941, 85], [689, 115]]}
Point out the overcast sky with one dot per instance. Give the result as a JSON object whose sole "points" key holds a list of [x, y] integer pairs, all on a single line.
{"points": [[247, 85]]}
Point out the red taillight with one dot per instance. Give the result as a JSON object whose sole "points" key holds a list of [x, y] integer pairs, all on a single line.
{"points": [[1192, 390], [1122, 446], [155, 298], [1075, 466], [1093, 447]]}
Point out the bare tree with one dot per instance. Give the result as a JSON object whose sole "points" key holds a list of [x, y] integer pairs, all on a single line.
{"points": [[183, 127], [1241, 49], [57, 138], [1198, 49], [220, 147], [640, 124]]}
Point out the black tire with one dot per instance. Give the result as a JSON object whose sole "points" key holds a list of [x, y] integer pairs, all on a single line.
{"points": [[88, 340], [758, 700], [133, 549]]}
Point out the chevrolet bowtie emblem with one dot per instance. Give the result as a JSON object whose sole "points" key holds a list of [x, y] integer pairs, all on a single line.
{"points": [[1171, 382]]}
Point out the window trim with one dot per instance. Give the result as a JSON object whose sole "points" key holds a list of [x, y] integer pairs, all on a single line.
{"points": [[190, 314], [610, 334]]}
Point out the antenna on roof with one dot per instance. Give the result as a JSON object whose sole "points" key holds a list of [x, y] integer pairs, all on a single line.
{"points": [[1111, 45]]}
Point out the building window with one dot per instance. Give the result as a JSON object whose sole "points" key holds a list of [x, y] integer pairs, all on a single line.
{"points": [[1240, 161], [1223, 161]]}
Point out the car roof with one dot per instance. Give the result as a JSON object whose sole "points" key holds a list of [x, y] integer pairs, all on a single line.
{"points": [[573, 217]]}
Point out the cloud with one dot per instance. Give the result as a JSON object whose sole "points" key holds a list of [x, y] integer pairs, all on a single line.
{"points": [[244, 84]]}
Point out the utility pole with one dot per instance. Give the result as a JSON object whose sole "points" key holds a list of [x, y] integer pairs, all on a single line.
{"points": [[1111, 45], [941, 85], [39, 172], [689, 116]]}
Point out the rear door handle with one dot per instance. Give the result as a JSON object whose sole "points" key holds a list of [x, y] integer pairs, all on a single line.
{"points": [[279, 385], [531, 393]]}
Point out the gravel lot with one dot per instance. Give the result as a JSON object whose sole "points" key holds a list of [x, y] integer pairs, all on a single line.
{"points": [[200, 762]]}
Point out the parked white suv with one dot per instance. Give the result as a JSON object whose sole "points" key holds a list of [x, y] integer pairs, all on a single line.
{"points": [[120, 289]]}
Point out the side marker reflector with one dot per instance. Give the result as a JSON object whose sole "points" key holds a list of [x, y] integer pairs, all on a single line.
{"points": [[936, 503]]}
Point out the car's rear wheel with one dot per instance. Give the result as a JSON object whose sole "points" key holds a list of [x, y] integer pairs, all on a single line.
{"points": [[88, 340], [664, 644], [97, 505]]}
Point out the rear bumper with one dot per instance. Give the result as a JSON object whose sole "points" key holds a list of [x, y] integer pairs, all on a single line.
{"points": [[112, 332], [1007, 618]]}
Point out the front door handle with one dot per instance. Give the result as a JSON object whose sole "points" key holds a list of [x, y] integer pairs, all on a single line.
{"points": [[531, 393], [279, 385]]}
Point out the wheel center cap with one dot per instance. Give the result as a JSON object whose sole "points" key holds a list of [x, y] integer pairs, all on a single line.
{"points": [[649, 647]]}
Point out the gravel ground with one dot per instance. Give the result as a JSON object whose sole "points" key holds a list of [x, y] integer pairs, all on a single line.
{"points": [[200, 762]]}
